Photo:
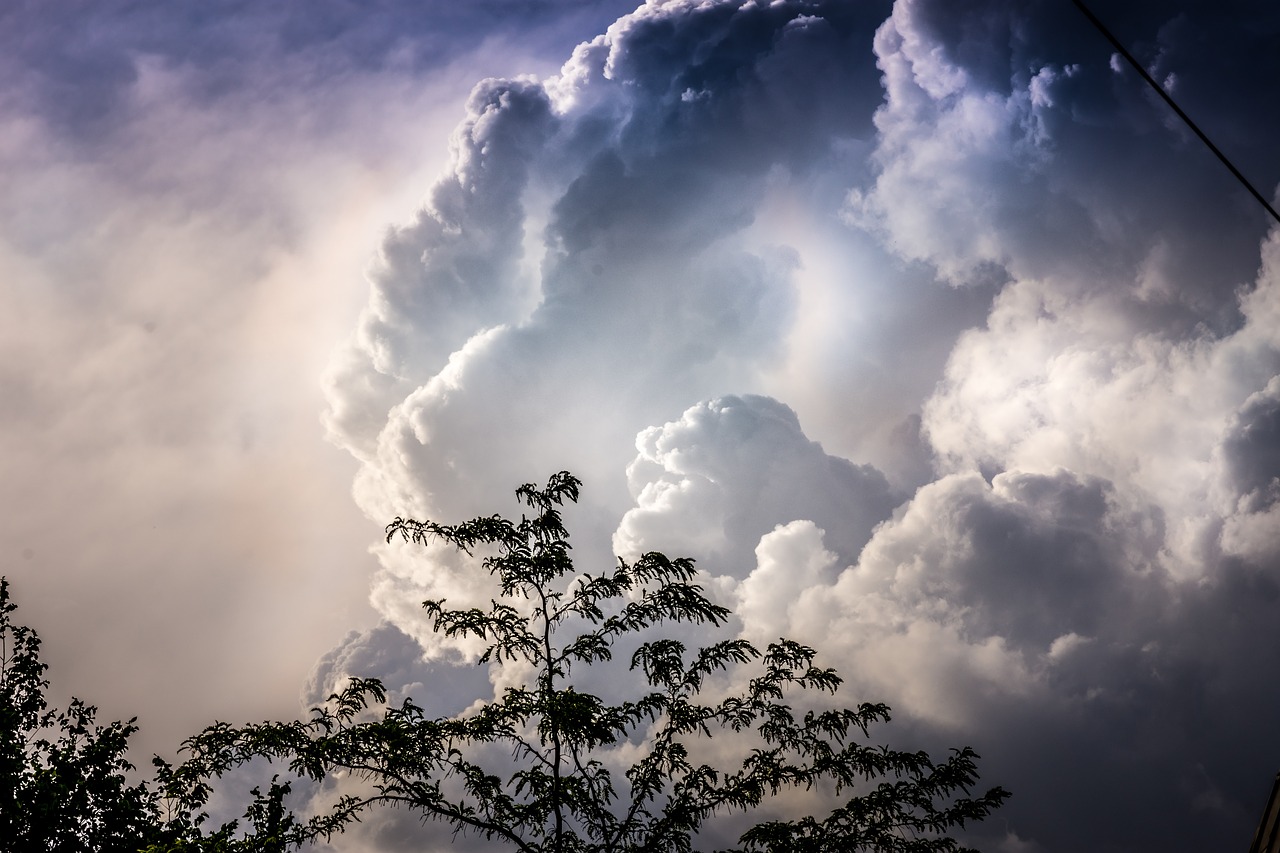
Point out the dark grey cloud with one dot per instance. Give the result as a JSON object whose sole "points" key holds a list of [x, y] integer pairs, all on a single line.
{"points": [[1042, 567], [1252, 449], [1034, 614], [1096, 174], [440, 688], [1131, 349], [77, 64]]}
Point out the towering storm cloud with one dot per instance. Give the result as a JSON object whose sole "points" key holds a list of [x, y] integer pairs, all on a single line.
{"points": [[924, 326], [1029, 319]]}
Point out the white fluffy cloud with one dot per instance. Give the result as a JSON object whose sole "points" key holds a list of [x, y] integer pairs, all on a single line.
{"points": [[1095, 454], [585, 268], [728, 471], [1059, 392]]}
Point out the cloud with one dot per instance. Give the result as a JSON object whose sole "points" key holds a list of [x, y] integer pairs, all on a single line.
{"points": [[1016, 571], [441, 688], [188, 202], [1252, 474], [714, 482], [1056, 378], [1056, 381], [643, 288], [1032, 614], [78, 68], [790, 560]]}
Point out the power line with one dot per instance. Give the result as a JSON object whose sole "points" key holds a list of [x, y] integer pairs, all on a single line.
{"points": [[1168, 100]]}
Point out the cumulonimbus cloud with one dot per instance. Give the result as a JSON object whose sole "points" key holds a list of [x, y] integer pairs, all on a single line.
{"points": [[1076, 570]]}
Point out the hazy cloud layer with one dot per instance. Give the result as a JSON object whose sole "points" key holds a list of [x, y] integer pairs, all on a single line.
{"points": [[188, 198], [922, 325]]}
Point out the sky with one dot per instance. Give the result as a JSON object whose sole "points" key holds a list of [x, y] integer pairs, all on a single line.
{"points": [[925, 327]]}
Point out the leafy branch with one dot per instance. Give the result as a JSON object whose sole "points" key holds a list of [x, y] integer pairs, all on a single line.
{"points": [[556, 789]]}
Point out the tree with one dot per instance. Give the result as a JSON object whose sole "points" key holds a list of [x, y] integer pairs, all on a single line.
{"points": [[63, 784], [537, 769], [64, 779]]}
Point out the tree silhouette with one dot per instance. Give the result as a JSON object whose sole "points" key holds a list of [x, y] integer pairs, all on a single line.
{"points": [[542, 767], [64, 779], [62, 776]]}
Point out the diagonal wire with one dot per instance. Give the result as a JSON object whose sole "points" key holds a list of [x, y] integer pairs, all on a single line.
{"points": [[1186, 118]]}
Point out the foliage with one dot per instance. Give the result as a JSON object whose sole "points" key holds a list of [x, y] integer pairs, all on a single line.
{"points": [[538, 769], [272, 827], [63, 784], [64, 779]]}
